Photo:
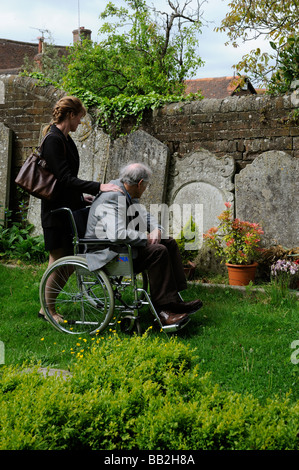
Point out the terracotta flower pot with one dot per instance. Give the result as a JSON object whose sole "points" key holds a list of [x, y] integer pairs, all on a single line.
{"points": [[241, 274]]}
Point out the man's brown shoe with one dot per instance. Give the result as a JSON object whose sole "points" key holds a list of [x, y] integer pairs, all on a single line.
{"points": [[183, 307], [169, 318]]}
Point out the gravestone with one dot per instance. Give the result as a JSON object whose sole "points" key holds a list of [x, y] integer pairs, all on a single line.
{"points": [[267, 193], [93, 148], [202, 178], [5, 166], [141, 147]]}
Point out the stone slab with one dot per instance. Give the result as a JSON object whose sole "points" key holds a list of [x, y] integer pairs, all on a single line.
{"points": [[141, 147], [202, 178], [5, 167], [267, 193]]}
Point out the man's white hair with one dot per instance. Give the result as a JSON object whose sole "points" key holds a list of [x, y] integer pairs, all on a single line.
{"points": [[132, 173]]}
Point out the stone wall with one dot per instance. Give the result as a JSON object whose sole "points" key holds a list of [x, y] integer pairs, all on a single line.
{"points": [[202, 147], [241, 127]]}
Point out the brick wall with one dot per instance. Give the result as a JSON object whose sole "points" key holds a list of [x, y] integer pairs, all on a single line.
{"points": [[12, 53], [242, 127]]}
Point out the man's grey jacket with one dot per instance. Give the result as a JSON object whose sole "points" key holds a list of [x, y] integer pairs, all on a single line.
{"points": [[117, 218]]}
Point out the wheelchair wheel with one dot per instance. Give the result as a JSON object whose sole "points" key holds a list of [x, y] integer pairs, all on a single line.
{"points": [[83, 298]]}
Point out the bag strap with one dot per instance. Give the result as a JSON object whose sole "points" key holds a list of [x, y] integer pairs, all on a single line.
{"points": [[39, 148]]}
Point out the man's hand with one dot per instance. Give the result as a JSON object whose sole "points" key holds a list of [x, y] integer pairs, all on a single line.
{"points": [[88, 200], [154, 237]]}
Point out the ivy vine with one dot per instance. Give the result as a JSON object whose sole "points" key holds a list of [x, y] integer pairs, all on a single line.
{"points": [[111, 113]]}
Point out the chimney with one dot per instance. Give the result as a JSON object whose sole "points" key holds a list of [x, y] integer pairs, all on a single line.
{"points": [[83, 34], [40, 45], [39, 56]]}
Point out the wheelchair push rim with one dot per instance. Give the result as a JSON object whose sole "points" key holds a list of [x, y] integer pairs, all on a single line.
{"points": [[83, 298]]}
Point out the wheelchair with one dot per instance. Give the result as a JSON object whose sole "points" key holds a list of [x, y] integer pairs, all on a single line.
{"points": [[91, 301]]}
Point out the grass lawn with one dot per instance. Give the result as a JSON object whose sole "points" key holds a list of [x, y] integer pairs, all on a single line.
{"points": [[243, 338]]}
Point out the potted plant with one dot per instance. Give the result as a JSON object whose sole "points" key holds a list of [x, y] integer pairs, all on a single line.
{"points": [[187, 236], [236, 242]]}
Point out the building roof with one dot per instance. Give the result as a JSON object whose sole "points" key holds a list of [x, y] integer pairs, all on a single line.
{"points": [[12, 54], [220, 87]]}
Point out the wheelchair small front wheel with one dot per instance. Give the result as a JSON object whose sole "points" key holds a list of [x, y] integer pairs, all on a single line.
{"points": [[130, 324], [83, 299]]}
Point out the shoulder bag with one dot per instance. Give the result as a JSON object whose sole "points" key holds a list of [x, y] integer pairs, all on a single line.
{"points": [[35, 177]]}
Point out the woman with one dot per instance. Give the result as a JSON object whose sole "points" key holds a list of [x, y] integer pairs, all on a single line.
{"points": [[61, 154]]}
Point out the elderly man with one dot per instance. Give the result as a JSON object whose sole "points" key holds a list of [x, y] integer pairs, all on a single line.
{"points": [[112, 216]]}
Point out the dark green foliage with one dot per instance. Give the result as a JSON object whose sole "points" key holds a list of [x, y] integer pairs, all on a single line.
{"points": [[138, 393], [16, 241]]}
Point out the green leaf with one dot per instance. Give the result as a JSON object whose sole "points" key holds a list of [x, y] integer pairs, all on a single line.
{"points": [[273, 45]]}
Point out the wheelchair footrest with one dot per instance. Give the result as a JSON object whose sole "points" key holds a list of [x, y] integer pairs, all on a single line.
{"points": [[175, 326]]}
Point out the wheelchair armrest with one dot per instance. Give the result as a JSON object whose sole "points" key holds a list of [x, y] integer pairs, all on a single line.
{"points": [[89, 241], [97, 241]]}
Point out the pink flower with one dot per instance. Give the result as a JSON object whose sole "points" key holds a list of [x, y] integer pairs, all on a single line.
{"points": [[228, 205], [209, 236]]}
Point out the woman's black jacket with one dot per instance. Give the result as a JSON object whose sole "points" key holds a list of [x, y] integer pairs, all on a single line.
{"points": [[62, 157]]}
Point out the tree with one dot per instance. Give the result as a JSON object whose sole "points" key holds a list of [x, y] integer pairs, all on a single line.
{"points": [[275, 20], [288, 66], [143, 50]]}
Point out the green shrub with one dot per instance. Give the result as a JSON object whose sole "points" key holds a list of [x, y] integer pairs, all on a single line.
{"points": [[137, 393], [16, 240]]}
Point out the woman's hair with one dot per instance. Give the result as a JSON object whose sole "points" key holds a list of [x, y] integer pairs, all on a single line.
{"points": [[134, 172], [63, 108]]}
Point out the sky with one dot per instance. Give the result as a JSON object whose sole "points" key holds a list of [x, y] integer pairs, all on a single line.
{"points": [[24, 20]]}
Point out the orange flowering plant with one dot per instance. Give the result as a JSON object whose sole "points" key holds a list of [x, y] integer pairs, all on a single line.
{"points": [[235, 241]]}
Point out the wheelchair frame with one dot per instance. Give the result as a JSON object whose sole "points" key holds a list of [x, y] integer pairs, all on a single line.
{"points": [[91, 301]]}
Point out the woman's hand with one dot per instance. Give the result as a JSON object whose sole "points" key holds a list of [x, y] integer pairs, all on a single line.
{"points": [[105, 187]]}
